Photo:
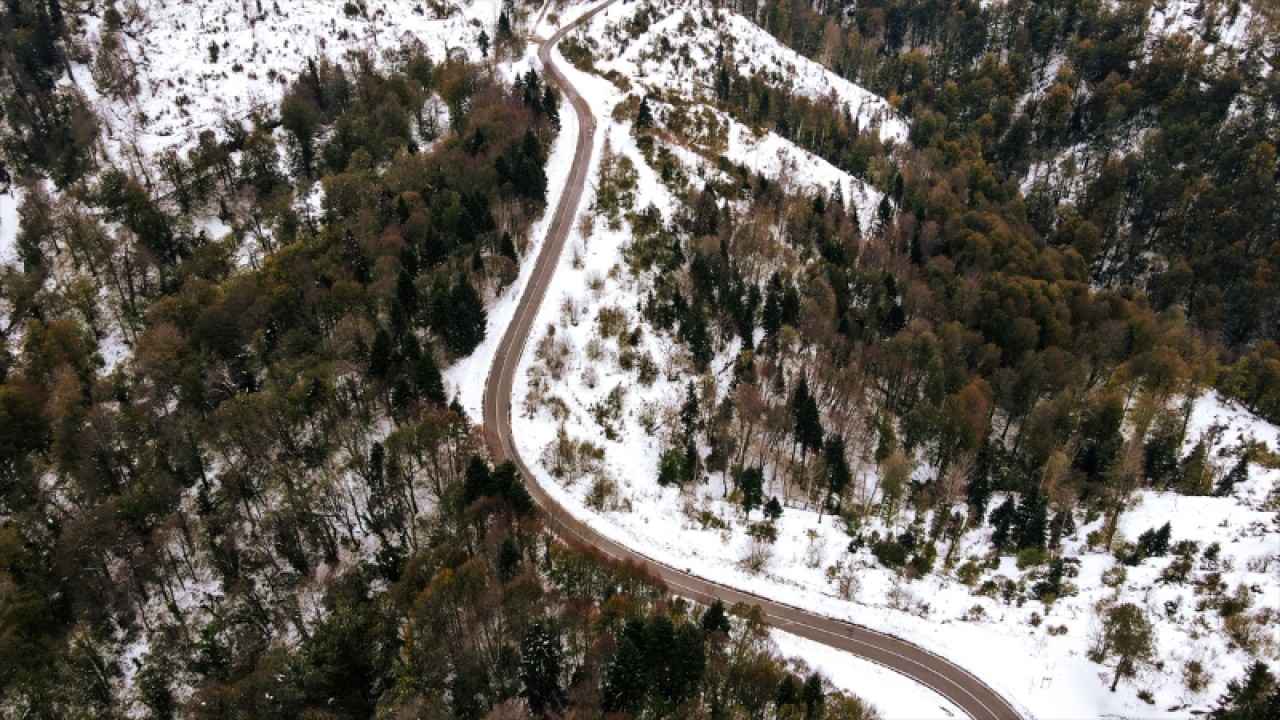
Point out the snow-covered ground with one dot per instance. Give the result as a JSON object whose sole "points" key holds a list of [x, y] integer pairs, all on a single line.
{"points": [[1032, 653], [186, 87], [466, 378], [1009, 645], [9, 202], [893, 695], [1219, 27]]}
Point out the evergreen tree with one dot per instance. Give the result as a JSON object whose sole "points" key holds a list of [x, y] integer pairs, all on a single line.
{"points": [[508, 559], [685, 660], [427, 376], [380, 354], [644, 116], [978, 491], [551, 106], [814, 696], [715, 619], [530, 173], [504, 27], [1031, 519], [1197, 476], [689, 413], [508, 482], [1256, 698], [478, 481], [507, 246], [788, 694], [1127, 636], [771, 317], [540, 658], [807, 421], [773, 509], [751, 486], [671, 469], [838, 474], [1002, 519], [466, 321], [1155, 543]]}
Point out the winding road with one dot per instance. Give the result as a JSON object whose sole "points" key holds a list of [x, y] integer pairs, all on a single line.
{"points": [[952, 682]]}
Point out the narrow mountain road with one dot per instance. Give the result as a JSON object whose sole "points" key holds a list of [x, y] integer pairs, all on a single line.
{"points": [[955, 684]]}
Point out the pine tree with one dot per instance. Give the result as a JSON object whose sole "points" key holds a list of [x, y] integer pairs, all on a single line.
{"points": [[1001, 520], [504, 27], [530, 172], [690, 412], [751, 486], [644, 116], [508, 559], [1032, 521], [466, 321], [771, 317], [686, 662], [427, 377], [1127, 636], [715, 619], [807, 421], [540, 658], [1197, 477], [773, 509], [477, 482], [788, 693], [551, 106], [507, 246], [671, 470], [380, 354], [838, 474], [1256, 698], [814, 696], [1155, 543]]}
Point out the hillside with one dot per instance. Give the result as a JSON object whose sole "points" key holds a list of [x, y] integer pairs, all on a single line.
{"points": [[954, 321]]}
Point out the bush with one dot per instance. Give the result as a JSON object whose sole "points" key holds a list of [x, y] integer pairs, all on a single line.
{"points": [[1194, 676], [1030, 557], [1177, 571], [889, 553], [969, 573], [763, 531]]}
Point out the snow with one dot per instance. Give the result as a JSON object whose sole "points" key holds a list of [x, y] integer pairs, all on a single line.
{"points": [[892, 694], [9, 202], [677, 53], [1214, 28], [775, 157], [263, 46], [466, 378], [1007, 644]]}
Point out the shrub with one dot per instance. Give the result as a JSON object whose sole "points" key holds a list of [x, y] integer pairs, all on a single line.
{"points": [[889, 553], [969, 573]]}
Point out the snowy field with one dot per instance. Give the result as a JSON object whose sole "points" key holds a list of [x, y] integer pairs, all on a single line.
{"points": [[186, 87]]}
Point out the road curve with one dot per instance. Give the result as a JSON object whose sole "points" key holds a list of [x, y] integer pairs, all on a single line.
{"points": [[952, 682]]}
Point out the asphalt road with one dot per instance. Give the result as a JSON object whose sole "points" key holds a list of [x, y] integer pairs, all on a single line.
{"points": [[955, 684]]}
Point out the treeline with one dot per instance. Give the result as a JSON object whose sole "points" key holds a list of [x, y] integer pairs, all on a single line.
{"points": [[1151, 165], [281, 417]]}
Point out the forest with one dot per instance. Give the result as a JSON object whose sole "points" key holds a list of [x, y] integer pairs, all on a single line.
{"points": [[273, 507], [981, 370], [1010, 341]]}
